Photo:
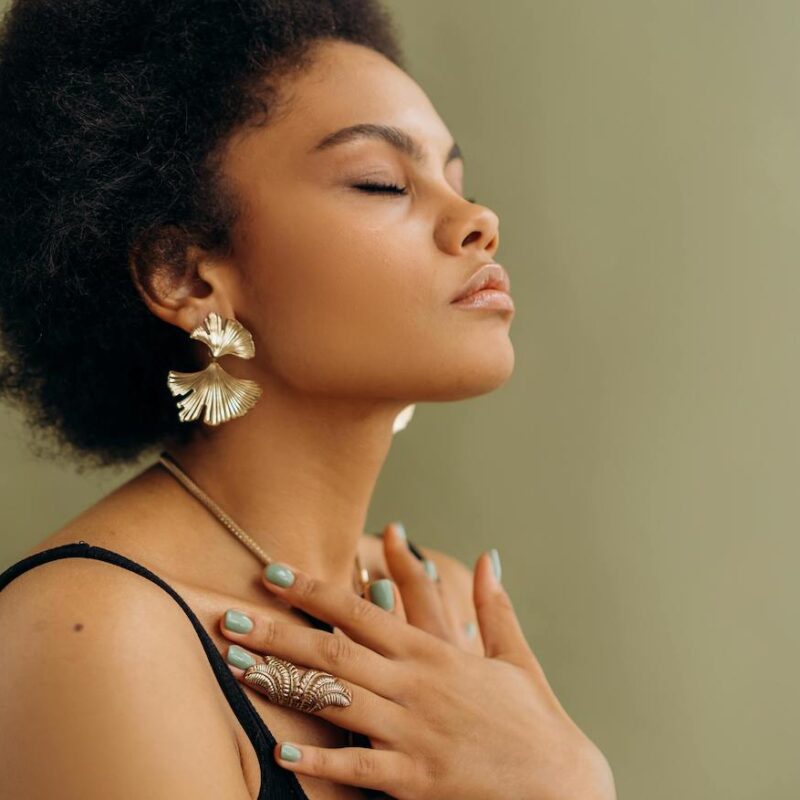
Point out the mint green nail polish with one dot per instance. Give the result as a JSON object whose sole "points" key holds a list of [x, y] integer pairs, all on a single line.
{"points": [[430, 568], [382, 594], [290, 753], [237, 621], [401, 529], [279, 574], [470, 629], [239, 657], [496, 566]]}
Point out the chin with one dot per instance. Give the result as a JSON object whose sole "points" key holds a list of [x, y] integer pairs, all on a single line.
{"points": [[476, 371]]}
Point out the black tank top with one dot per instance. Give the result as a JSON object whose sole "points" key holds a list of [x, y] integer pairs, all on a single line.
{"points": [[277, 783]]}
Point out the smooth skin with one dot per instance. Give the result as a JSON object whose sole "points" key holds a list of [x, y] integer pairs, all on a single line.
{"points": [[418, 697]]}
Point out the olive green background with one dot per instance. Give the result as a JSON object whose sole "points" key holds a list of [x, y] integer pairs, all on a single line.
{"points": [[639, 471]]}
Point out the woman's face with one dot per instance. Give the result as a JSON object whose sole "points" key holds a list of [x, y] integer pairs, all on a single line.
{"points": [[348, 291]]}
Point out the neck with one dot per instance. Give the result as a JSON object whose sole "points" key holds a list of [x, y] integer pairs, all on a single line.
{"points": [[297, 474]]}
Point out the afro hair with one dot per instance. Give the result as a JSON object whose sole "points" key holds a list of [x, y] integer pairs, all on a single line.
{"points": [[113, 112]]}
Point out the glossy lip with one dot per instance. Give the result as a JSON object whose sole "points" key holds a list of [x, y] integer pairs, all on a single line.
{"points": [[488, 276], [487, 298]]}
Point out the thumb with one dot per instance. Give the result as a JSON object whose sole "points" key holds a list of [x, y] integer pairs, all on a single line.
{"points": [[501, 632]]}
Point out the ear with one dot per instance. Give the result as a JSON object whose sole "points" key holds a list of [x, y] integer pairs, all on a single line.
{"points": [[180, 282]]}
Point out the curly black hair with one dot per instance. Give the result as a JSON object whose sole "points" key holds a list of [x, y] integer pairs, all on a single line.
{"points": [[114, 113]]}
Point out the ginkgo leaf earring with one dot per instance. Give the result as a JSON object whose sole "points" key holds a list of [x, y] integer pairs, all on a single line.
{"points": [[223, 396]]}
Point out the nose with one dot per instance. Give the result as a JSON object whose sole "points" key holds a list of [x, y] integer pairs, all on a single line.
{"points": [[474, 227]]}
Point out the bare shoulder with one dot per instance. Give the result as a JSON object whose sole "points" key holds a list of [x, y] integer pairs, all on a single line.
{"points": [[102, 675], [124, 516]]}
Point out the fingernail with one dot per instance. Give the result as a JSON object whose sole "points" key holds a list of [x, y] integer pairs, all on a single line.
{"points": [[496, 566], [237, 621], [470, 629], [430, 568], [401, 529], [290, 753], [279, 574], [239, 657], [382, 594]]}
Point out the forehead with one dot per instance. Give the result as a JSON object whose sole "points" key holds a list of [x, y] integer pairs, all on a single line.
{"points": [[347, 84]]}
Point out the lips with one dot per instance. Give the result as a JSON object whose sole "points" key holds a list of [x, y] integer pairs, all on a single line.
{"points": [[489, 276]]}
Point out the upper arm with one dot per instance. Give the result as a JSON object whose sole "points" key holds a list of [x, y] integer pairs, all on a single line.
{"points": [[105, 692], [457, 583]]}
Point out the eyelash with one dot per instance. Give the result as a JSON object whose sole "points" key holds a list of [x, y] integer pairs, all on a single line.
{"points": [[376, 188], [390, 188]]}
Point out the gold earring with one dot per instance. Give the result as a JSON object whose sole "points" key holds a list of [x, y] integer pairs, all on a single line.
{"points": [[223, 396]]}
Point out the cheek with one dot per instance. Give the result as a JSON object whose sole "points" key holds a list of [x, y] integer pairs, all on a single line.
{"points": [[341, 306]]}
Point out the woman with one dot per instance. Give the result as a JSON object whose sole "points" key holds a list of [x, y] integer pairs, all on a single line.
{"points": [[260, 182]]}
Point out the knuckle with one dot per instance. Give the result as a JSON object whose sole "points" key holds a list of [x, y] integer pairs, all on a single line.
{"points": [[428, 775], [363, 764], [307, 589], [362, 610], [320, 762], [335, 650], [267, 632]]}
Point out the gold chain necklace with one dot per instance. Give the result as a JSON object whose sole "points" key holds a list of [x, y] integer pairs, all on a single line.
{"points": [[172, 466], [361, 575]]}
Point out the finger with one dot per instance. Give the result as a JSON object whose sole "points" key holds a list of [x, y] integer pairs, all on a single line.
{"points": [[400, 606], [383, 770], [418, 585], [458, 631], [384, 593], [331, 652], [367, 713], [363, 621], [501, 632]]}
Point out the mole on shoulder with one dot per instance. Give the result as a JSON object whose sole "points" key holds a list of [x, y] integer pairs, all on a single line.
{"points": [[78, 626]]}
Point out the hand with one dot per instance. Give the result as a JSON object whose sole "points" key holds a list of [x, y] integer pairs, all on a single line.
{"points": [[424, 598], [443, 723]]}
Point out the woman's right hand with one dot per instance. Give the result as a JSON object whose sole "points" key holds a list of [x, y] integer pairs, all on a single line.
{"points": [[443, 723]]}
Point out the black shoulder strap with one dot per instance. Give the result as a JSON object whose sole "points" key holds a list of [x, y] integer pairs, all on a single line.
{"points": [[275, 781]]}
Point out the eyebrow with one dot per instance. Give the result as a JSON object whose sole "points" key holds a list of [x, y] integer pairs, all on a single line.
{"points": [[396, 137]]}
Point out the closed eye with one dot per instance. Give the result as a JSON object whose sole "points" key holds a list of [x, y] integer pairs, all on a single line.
{"points": [[380, 188], [390, 188]]}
